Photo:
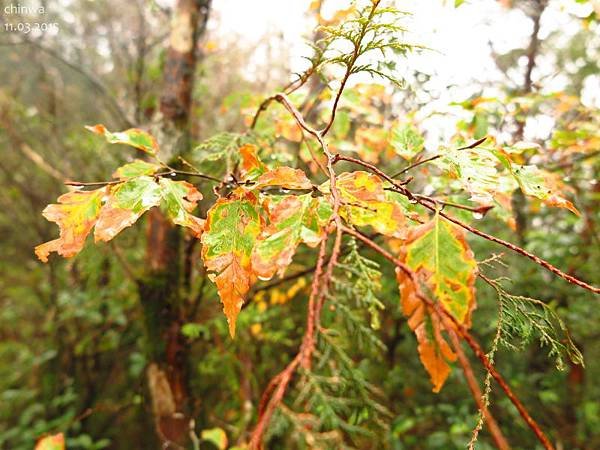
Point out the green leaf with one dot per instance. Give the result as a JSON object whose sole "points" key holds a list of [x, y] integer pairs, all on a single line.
{"points": [[135, 169], [179, 198], [406, 140], [134, 137], [438, 252], [477, 172], [538, 183], [215, 436], [232, 228], [125, 203]]}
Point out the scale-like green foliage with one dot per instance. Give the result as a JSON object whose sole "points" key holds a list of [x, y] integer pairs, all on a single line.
{"points": [[344, 409], [525, 320]]}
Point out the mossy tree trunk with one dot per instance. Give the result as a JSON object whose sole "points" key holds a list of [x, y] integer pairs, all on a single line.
{"points": [[159, 289]]}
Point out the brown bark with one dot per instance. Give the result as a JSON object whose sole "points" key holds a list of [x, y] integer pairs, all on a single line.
{"points": [[188, 23]]}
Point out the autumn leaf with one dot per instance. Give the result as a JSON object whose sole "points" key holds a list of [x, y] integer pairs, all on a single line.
{"points": [[125, 203], [215, 436], [251, 167], [179, 198], [546, 186], [365, 203], [232, 227], [440, 256], [284, 177], [538, 183], [478, 173], [434, 351], [53, 442], [292, 220], [371, 143], [134, 137], [438, 252], [76, 213], [135, 169]]}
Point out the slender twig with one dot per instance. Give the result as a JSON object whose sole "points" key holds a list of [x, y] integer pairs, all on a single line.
{"points": [[161, 174], [439, 155], [350, 66], [474, 209], [92, 183], [492, 425], [275, 391], [545, 264], [515, 248]]}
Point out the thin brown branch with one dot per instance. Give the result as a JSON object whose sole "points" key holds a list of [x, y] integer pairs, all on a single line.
{"points": [[483, 210], [39, 161], [439, 155], [515, 248], [350, 66], [492, 425], [275, 391], [450, 322], [403, 190], [161, 174]]}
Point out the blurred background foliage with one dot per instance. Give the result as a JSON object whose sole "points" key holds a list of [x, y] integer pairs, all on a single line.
{"points": [[73, 346]]}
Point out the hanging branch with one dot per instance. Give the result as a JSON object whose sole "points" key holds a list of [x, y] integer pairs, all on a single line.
{"points": [[450, 322], [427, 203], [491, 423]]}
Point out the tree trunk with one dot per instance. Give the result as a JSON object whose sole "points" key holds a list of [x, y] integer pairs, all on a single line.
{"points": [[167, 373]]}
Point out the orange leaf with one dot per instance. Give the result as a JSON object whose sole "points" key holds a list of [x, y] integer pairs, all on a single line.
{"points": [[54, 442], [232, 226], [434, 351], [76, 213], [285, 177], [251, 167]]}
